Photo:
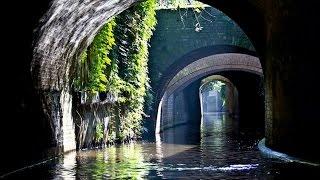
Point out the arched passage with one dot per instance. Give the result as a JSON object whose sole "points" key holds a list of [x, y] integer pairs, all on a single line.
{"points": [[53, 57], [177, 79], [65, 30], [211, 58], [213, 64], [211, 99]]}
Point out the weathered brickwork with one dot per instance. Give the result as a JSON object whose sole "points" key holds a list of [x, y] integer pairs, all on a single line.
{"points": [[195, 71], [174, 37], [68, 27], [287, 52], [214, 64]]}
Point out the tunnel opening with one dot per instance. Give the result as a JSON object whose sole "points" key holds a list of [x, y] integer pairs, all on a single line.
{"points": [[218, 94], [181, 115], [219, 64], [287, 127], [60, 80], [243, 105], [251, 98]]}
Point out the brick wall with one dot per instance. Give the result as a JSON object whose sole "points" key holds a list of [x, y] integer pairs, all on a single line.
{"points": [[173, 38]]}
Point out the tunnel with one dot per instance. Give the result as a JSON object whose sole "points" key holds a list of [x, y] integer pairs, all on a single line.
{"points": [[176, 80], [183, 105], [51, 34], [218, 94]]}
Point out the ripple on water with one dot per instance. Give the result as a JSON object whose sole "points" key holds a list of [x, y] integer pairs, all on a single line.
{"points": [[220, 152]]}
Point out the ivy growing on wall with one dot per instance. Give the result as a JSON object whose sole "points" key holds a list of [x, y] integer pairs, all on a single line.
{"points": [[133, 31], [94, 62], [116, 63]]}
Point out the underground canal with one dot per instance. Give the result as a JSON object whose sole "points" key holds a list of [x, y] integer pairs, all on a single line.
{"points": [[213, 145], [130, 89]]}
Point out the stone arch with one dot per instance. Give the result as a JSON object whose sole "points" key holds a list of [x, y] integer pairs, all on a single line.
{"points": [[198, 64], [213, 64], [67, 28], [209, 59]]}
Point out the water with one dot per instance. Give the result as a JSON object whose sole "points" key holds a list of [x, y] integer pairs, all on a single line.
{"points": [[216, 150]]}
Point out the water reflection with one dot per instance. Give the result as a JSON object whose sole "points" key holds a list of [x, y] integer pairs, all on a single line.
{"points": [[69, 164], [114, 162], [216, 150]]}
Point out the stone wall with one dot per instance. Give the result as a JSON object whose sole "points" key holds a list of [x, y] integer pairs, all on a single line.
{"points": [[291, 72], [86, 116], [174, 38], [68, 125], [181, 107]]}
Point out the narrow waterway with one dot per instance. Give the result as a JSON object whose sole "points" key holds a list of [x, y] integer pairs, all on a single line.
{"points": [[217, 149]]}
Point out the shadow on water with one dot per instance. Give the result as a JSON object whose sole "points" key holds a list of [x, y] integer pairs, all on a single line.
{"points": [[219, 149]]}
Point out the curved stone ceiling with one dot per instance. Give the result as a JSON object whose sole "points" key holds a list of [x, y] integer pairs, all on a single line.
{"points": [[67, 28], [213, 64]]}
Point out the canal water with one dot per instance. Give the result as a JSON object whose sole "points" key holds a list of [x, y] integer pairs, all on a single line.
{"points": [[218, 149]]}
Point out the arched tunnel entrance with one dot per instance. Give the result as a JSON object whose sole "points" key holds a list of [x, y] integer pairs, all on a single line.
{"points": [[192, 106], [67, 27], [218, 94], [176, 80]]}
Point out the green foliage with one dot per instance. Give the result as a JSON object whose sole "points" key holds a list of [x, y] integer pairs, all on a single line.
{"points": [[94, 61], [133, 31], [197, 5], [216, 85], [99, 132], [117, 62], [220, 87]]}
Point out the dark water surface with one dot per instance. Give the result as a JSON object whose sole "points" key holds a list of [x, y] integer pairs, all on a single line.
{"points": [[216, 150]]}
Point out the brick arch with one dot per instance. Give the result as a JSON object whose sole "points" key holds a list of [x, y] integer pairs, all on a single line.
{"points": [[211, 59], [196, 65], [67, 28], [211, 65]]}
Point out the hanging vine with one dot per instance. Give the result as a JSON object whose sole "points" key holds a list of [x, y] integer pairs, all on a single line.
{"points": [[133, 31], [94, 62], [116, 63]]}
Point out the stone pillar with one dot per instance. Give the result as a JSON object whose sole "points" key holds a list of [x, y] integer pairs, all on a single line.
{"points": [[50, 102], [230, 99], [57, 107], [166, 111], [68, 126]]}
